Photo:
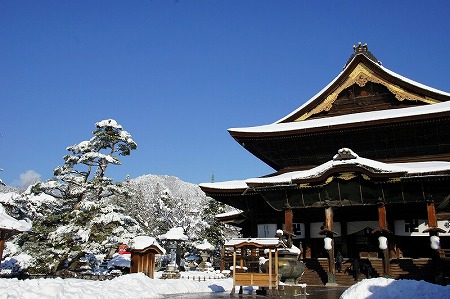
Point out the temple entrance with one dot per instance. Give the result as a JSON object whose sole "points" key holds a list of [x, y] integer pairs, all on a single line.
{"points": [[362, 244]]}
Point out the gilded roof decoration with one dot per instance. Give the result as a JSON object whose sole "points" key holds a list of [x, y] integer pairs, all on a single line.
{"points": [[361, 75]]}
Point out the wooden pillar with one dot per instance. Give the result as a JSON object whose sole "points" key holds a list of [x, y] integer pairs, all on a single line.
{"points": [[134, 268], [384, 232], [431, 212], [234, 271], [270, 270], [276, 270], [288, 215], [288, 226], [382, 220], [434, 231], [307, 240], [329, 233], [152, 265], [145, 263]]}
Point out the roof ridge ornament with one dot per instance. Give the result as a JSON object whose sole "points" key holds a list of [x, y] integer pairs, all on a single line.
{"points": [[364, 50], [345, 154]]}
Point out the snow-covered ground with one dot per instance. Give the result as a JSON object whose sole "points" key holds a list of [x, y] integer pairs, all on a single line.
{"points": [[385, 288], [140, 286], [134, 286]]}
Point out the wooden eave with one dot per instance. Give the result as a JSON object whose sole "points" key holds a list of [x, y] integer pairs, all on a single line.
{"points": [[231, 192], [402, 89], [256, 245], [255, 187], [238, 135], [232, 219], [330, 172]]}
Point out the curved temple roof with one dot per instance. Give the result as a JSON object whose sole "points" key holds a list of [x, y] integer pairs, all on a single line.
{"points": [[367, 107], [337, 164], [363, 67], [364, 117]]}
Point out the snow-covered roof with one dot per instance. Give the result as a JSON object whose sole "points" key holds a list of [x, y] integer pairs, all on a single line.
{"points": [[9, 223], [263, 242], [363, 117], [228, 214], [382, 68], [205, 245], [229, 185], [175, 233], [406, 169], [142, 242]]}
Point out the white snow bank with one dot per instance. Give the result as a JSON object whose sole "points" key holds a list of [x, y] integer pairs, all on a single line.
{"points": [[140, 286], [386, 288], [127, 286]]}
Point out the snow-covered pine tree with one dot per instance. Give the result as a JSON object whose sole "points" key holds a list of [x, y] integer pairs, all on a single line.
{"points": [[82, 214], [83, 172]]}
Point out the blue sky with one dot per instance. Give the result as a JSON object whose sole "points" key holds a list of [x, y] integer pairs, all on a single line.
{"points": [[177, 74]]}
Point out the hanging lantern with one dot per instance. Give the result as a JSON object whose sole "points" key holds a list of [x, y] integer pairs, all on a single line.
{"points": [[382, 242], [434, 242], [327, 243]]}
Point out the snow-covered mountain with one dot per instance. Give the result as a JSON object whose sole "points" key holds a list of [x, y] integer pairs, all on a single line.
{"points": [[65, 230]]}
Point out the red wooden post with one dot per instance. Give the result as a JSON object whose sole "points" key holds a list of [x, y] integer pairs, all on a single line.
{"points": [[431, 211], [288, 216], [329, 233], [383, 228]]}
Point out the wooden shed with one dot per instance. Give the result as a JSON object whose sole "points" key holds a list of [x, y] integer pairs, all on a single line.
{"points": [[246, 260], [143, 255]]}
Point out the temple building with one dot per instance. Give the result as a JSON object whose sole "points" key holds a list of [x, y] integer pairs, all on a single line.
{"points": [[363, 168]]}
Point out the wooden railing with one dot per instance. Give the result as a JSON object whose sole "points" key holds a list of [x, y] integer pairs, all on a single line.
{"points": [[256, 279]]}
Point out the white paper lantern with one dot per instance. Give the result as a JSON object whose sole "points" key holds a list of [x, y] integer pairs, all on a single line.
{"points": [[382, 242], [327, 244], [434, 242]]}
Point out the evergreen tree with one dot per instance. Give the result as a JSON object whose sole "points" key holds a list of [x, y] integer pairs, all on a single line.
{"points": [[82, 214], [84, 169], [217, 233]]}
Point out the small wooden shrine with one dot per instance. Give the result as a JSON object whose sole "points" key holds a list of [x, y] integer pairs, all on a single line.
{"points": [[143, 255], [246, 268]]}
